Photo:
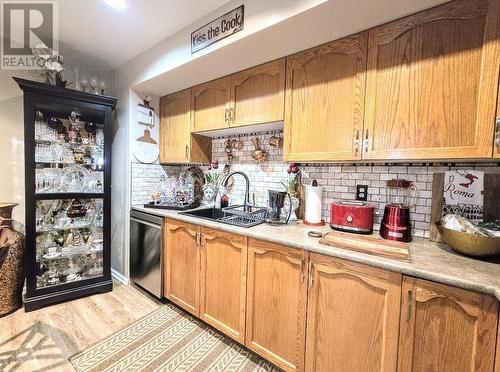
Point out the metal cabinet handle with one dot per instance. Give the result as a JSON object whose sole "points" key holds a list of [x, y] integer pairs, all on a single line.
{"points": [[202, 240], [497, 132], [187, 151], [408, 305], [356, 142], [311, 275], [302, 273], [226, 115], [231, 114], [366, 140], [197, 239]]}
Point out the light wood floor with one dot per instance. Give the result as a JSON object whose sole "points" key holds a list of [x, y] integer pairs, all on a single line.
{"points": [[42, 340]]}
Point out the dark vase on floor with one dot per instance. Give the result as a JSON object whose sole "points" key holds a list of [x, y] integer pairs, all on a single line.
{"points": [[11, 262]]}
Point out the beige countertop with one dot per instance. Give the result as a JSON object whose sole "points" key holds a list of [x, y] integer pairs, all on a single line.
{"points": [[429, 260]]}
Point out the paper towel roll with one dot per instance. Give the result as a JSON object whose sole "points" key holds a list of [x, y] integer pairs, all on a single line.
{"points": [[313, 204]]}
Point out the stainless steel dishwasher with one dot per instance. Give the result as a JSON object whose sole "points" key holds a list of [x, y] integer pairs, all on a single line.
{"points": [[146, 258]]}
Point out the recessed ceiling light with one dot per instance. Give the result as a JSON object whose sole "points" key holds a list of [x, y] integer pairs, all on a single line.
{"points": [[117, 4]]}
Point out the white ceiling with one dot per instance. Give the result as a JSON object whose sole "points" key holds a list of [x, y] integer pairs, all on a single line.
{"points": [[330, 20], [115, 36]]}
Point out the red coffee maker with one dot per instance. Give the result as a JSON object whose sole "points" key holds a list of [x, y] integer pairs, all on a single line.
{"points": [[401, 195]]}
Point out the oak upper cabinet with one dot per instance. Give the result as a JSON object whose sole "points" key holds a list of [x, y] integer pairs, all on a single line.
{"points": [[276, 303], [325, 92], [182, 265], [446, 329], [432, 83], [177, 145], [223, 281], [258, 94], [210, 103], [352, 317]]}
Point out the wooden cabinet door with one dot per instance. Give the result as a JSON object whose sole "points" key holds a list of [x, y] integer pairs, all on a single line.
{"points": [[182, 265], [352, 316], [175, 127], [223, 282], [432, 83], [210, 103], [497, 358], [276, 303], [496, 144], [258, 94], [177, 144], [325, 94], [446, 329]]}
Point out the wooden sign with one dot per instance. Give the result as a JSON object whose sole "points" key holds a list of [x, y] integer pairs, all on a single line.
{"points": [[491, 201], [220, 28]]}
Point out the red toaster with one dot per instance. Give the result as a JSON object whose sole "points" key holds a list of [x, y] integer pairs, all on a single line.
{"points": [[352, 216]]}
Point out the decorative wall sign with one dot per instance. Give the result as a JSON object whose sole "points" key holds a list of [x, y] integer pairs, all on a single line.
{"points": [[145, 115], [464, 193], [220, 28], [145, 148]]}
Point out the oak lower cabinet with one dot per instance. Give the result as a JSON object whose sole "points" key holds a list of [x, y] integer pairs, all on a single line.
{"points": [[210, 104], [223, 281], [307, 311], [446, 329], [177, 144], [276, 303], [258, 94], [182, 265], [352, 317], [432, 83], [325, 96]]}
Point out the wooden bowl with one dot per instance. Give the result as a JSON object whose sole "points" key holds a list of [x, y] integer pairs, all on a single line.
{"points": [[470, 244]]}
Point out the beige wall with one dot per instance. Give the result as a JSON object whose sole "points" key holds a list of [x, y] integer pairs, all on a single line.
{"points": [[12, 142]]}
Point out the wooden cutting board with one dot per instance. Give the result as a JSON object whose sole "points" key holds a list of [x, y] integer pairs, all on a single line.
{"points": [[491, 201], [368, 244]]}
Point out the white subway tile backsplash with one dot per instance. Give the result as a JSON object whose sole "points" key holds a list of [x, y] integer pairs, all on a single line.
{"points": [[339, 181]]}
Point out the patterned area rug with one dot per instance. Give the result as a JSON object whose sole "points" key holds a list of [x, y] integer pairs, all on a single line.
{"points": [[168, 340]]}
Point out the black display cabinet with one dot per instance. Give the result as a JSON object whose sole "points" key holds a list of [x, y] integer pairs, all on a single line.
{"points": [[67, 143]]}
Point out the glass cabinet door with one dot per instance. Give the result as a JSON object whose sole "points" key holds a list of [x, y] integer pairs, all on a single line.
{"points": [[69, 240], [69, 154], [69, 194]]}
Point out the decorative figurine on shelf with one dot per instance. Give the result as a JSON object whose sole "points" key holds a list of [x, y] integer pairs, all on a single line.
{"points": [[52, 64], [211, 186], [73, 129], [290, 183], [60, 83], [77, 209], [11, 262], [91, 129]]}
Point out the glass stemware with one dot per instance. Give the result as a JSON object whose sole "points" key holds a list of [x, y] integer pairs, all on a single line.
{"points": [[85, 85]]}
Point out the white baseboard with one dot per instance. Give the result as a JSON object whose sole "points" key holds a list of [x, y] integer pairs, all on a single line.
{"points": [[119, 277]]}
